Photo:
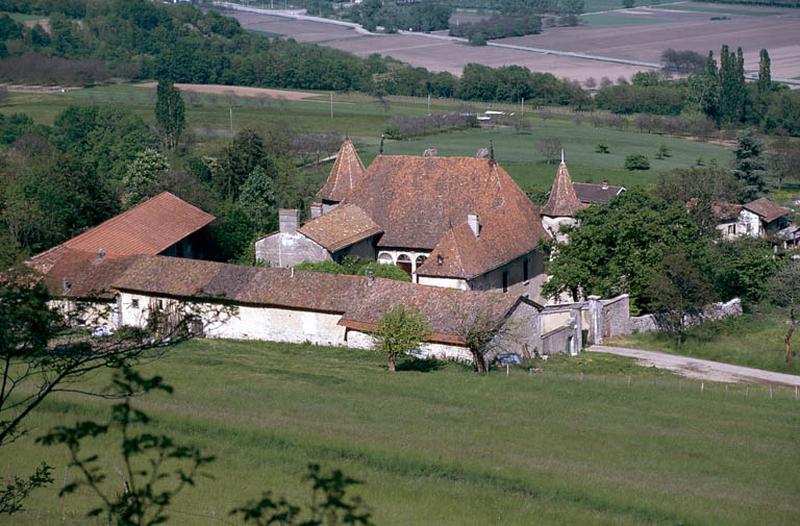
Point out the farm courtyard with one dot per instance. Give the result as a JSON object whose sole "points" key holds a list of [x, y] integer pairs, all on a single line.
{"points": [[593, 440]]}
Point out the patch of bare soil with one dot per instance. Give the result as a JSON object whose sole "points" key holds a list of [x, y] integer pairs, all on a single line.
{"points": [[239, 91], [24, 88]]}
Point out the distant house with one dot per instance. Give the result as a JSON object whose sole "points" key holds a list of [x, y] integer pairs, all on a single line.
{"points": [[597, 194], [759, 218], [458, 222]]}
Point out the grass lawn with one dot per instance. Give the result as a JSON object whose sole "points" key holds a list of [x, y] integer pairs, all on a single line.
{"points": [[360, 116], [753, 340], [23, 17], [448, 447]]}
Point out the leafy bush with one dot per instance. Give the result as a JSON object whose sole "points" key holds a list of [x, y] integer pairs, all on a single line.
{"points": [[637, 161], [355, 266]]}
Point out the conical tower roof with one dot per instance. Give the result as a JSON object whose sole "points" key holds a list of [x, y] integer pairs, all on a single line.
{"points": [[563, 201], [347, 172]]}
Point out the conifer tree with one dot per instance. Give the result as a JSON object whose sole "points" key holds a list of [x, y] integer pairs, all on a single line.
{"points": [[750, 164]]}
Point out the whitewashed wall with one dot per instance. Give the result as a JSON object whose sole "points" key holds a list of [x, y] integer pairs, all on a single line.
{"points": [[440, 351]]}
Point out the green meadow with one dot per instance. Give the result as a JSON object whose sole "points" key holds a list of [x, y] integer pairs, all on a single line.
{"points": [[592, 440], [364, 119]]}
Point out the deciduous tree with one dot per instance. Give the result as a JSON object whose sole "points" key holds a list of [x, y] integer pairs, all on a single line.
{"points": [[676, 294], [400, 330], [142, 179], [784, 290]]}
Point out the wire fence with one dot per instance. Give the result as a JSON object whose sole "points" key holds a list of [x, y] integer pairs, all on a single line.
{"points": [[684, 385]]}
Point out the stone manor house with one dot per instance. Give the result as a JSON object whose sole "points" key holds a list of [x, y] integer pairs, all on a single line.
{"points": [[468, 236]]}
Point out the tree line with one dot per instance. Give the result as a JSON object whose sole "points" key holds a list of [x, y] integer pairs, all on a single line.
{"points": [[719, 91], [138, 39]]}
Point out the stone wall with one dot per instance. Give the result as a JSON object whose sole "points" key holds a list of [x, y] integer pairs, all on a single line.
{"points": [[712, 312]]}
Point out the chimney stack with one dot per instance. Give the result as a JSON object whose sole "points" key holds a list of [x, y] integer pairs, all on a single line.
{"points": [[474, 224], [101, 255], [288, 220], [370, 278], [605, 184], [430, 152]]}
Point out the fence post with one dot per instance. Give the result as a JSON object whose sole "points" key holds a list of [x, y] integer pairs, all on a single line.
{"points": [[213, 518], [702, 387], [796, 393], [770, 392]]}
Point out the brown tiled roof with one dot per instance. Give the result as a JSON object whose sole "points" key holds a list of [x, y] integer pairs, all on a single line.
{"points": [[448, 310], [416, 200], [360, 302], [347, 172], [506, 233], [563, 201], [591, 194], [345, 225], [766, 209], [75, 274], [191, 278], [148, 228], [723, 211]]}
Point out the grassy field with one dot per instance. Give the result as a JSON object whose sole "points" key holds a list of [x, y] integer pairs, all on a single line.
{"points": [[754, 340], [581, 443], [360, 116]]}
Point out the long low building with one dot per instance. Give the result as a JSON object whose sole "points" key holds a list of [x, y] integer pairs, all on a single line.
{"points": [[275, 304]]}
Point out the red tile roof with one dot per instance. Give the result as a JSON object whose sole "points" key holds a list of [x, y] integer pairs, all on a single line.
{"points": [[148, 228], [416, 200], [506, 233], [89, 261], [345, 225], [347, 172], [766, 209], [563, 201]]}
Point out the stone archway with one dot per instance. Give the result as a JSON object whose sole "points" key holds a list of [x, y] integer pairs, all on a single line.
{"points": [[405, 263]]}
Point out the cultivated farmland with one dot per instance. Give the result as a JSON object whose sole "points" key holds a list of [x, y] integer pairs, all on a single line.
{"points": [[592, 440], [638, 34]]}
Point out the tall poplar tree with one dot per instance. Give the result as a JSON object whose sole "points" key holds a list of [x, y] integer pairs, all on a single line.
{"points": [[742, 96], [170, 113], [764, 73]]}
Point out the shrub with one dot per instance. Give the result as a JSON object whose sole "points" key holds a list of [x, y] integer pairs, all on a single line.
{"points": [[602, 147], [637, 161]]}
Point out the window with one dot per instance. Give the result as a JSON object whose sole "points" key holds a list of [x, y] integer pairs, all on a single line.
{"points": [[505, 281], [160, 304], [135, 304], [731, 230], [404, 262], [525, 269]]}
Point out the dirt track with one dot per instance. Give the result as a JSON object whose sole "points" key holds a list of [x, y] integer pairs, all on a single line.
{"points": [[702, 369], [239, 91]]}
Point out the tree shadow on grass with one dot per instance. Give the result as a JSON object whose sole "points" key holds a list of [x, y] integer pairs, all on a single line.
{"points": [[420, 366]]}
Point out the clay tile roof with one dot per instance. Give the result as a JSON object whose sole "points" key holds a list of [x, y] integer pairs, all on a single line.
{"points": [[589, 193], [191, 278], [766, 209], [416, 200], [148, 228], [347, 172], [360, 302], [506, 233], [563, 201], [447, 310], [76, 274], [345, 225]]}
